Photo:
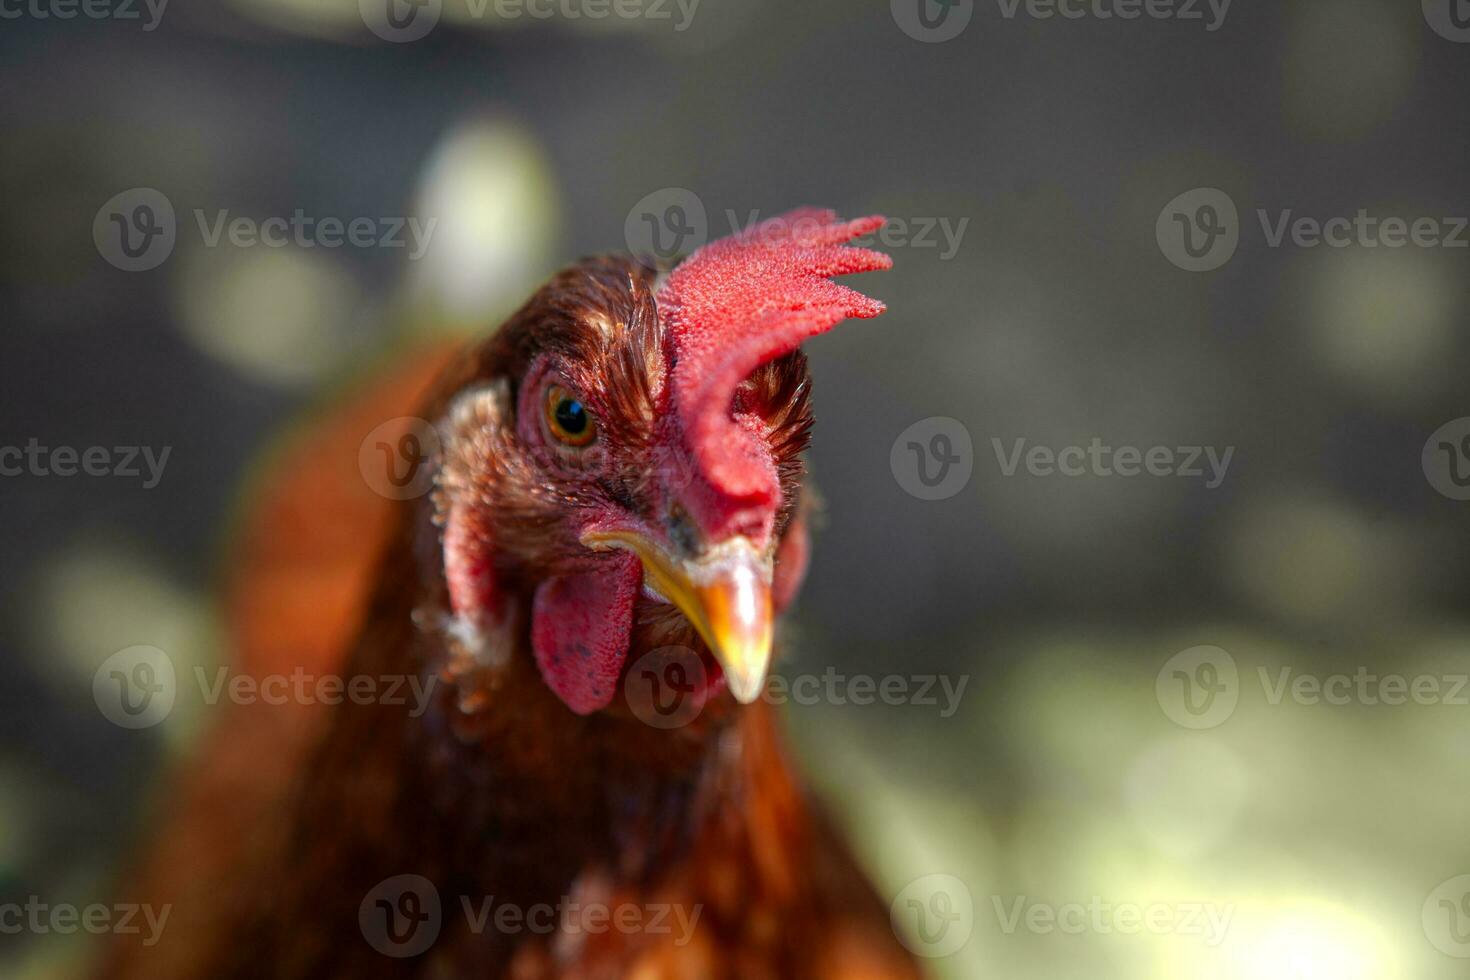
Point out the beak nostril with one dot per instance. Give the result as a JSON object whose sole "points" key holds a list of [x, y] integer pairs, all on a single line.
{"points": [[682, 533]]}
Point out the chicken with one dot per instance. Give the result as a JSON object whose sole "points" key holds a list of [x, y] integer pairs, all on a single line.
{"points": [[588, 593]]}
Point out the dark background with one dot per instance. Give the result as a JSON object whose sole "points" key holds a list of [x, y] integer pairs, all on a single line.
{"points": [[1058, 319]]}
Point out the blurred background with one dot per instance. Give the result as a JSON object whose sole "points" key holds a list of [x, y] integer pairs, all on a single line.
{"points": [[1046, 302]]}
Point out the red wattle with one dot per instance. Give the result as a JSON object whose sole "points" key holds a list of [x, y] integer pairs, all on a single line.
{"points": [[581, 627]]}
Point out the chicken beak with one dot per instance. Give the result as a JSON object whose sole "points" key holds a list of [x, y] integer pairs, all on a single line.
{"points": [[725, 594]]}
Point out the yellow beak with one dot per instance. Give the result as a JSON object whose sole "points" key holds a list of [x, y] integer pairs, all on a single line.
{"points": [[726, 595]]}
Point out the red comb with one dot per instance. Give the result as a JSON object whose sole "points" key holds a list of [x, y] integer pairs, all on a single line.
{"points": [[734, 305]]}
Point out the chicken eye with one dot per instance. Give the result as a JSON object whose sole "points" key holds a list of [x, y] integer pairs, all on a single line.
{"points": [[567, 418]]}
